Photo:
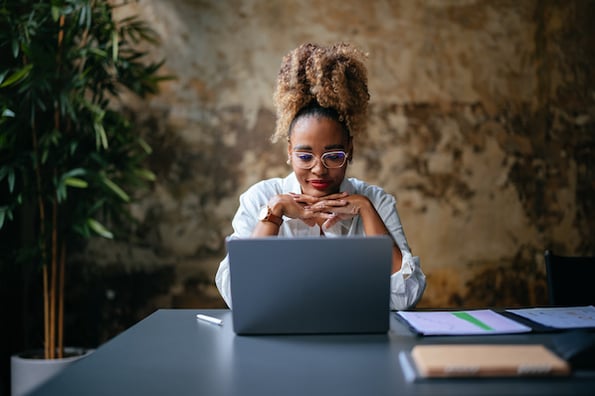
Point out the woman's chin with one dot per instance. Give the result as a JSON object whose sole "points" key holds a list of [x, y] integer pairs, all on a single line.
{"points": [[318, 193]]}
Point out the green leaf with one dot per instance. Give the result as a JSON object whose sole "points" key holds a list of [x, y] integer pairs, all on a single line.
{"points": [[4, 213], [99, 228], [145, 146], [146, 174], [44, 156], [17, 76], [70, 179], [75, 172], [76, 182], [84, 18], [55, 13], [8, 171], [61, 193], [11, 178], [116, 189], [115, 45], [15, 48], [8, 113], [98, 51], [100, 135]]}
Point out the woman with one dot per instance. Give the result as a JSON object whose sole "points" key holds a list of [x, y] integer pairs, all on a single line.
{"points": [[322, 100]]}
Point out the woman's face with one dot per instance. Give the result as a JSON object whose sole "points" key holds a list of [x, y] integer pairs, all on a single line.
{"points": [[317, 136]]}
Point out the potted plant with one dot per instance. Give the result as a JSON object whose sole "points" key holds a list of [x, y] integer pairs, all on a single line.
{"points": [[69, 159]]}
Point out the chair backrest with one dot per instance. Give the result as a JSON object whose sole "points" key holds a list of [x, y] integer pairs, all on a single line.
{"points": [[570, 279]]}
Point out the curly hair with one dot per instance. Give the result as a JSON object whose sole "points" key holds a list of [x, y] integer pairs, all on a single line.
{"points": [[333, 77]]}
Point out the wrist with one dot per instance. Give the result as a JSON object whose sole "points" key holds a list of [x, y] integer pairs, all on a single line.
{"points": [[276, 206], [364, 206], [268, 215]]}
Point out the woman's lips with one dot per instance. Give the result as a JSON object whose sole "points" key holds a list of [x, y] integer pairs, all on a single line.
{"points": [[320, 184]]}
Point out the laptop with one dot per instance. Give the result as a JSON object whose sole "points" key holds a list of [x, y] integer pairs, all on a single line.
{"points": [[310, 285]]}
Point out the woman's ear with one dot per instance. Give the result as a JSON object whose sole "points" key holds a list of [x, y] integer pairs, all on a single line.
{"points": [[350, 149]]}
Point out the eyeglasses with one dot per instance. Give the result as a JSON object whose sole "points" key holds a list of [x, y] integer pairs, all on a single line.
{"points": [[331, 159]]}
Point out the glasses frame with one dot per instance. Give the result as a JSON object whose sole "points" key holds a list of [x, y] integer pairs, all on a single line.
{"points": [[320, 158]]}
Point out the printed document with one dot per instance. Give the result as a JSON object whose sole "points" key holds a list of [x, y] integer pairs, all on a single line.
{"points": [[559, 317], [471, 322]]}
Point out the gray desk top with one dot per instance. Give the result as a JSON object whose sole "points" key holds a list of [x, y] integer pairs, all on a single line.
{"points": [[172, 353]]}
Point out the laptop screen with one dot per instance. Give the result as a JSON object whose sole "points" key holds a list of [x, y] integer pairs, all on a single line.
{"points": [[310, 284]]}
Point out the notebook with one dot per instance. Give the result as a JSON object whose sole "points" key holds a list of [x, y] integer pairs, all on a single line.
{"points": [[486, 360], [310, 285]]}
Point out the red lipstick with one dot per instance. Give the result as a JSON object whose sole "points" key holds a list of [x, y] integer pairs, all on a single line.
{"points": [[320, 184]]}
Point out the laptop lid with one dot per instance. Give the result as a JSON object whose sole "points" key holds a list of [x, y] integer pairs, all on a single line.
{"points": [[310, 285]]}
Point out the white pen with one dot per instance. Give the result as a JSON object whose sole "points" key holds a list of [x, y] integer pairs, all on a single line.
{"points": [[209, 319]]}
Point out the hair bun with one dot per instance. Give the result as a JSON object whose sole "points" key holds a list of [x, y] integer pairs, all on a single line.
{"points": [[334, 77]]}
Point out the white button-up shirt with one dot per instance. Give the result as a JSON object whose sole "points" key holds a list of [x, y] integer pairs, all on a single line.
{"points": [[407, 284]]}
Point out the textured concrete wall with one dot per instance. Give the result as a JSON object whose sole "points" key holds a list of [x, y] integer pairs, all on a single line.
{"points": [[482, 125]]}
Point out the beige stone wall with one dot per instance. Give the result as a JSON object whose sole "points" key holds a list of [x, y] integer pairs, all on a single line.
{"points": [[482, 125]]}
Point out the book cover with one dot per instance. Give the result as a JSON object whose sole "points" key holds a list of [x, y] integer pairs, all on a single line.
{"points": [[486, 360]]}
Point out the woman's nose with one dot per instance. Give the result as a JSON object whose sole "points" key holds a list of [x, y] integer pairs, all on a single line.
{"points": [[319, 168]]}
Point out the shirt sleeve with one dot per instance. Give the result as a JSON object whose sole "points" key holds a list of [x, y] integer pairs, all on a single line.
{"points": [[222, 281], [407, 284], [243, 223]]}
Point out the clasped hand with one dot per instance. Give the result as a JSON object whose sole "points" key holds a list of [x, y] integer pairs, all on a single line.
{"points": [[325, 211]]}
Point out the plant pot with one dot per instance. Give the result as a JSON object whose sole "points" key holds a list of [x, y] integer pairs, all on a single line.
{"points": [[28, 370]]}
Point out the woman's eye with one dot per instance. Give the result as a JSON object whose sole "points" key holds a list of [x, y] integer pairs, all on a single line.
{"points": [[305, 157], [334, 156]]}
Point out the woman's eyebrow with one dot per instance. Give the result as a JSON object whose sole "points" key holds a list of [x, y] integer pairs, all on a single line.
{"points": [[309, 148], [334, 147], [302, 147]]}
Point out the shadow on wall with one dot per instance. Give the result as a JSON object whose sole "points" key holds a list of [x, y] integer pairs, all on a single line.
{"points": [[516, 282], [198, 291]]}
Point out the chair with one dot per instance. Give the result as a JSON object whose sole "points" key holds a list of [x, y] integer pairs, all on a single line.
{"points": [[570, 280]]}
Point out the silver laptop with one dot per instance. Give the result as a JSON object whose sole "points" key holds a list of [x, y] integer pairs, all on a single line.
{"points": [[310, 285]]}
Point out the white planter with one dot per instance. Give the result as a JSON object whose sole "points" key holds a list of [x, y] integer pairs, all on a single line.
{"points": [[28, 372]]}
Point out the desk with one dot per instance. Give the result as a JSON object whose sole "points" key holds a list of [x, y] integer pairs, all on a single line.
{"points": [[172, 353]]}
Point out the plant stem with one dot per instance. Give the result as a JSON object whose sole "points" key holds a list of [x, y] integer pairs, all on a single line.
{"points": [[41, 207], [53, 278], [61, 300]]}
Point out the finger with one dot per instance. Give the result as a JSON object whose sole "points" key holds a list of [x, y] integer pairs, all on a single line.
{"points": [[301, 198], [315, 214], [312, 218], [327, 206], [348, 210], [331, 221], [337, 195]]}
